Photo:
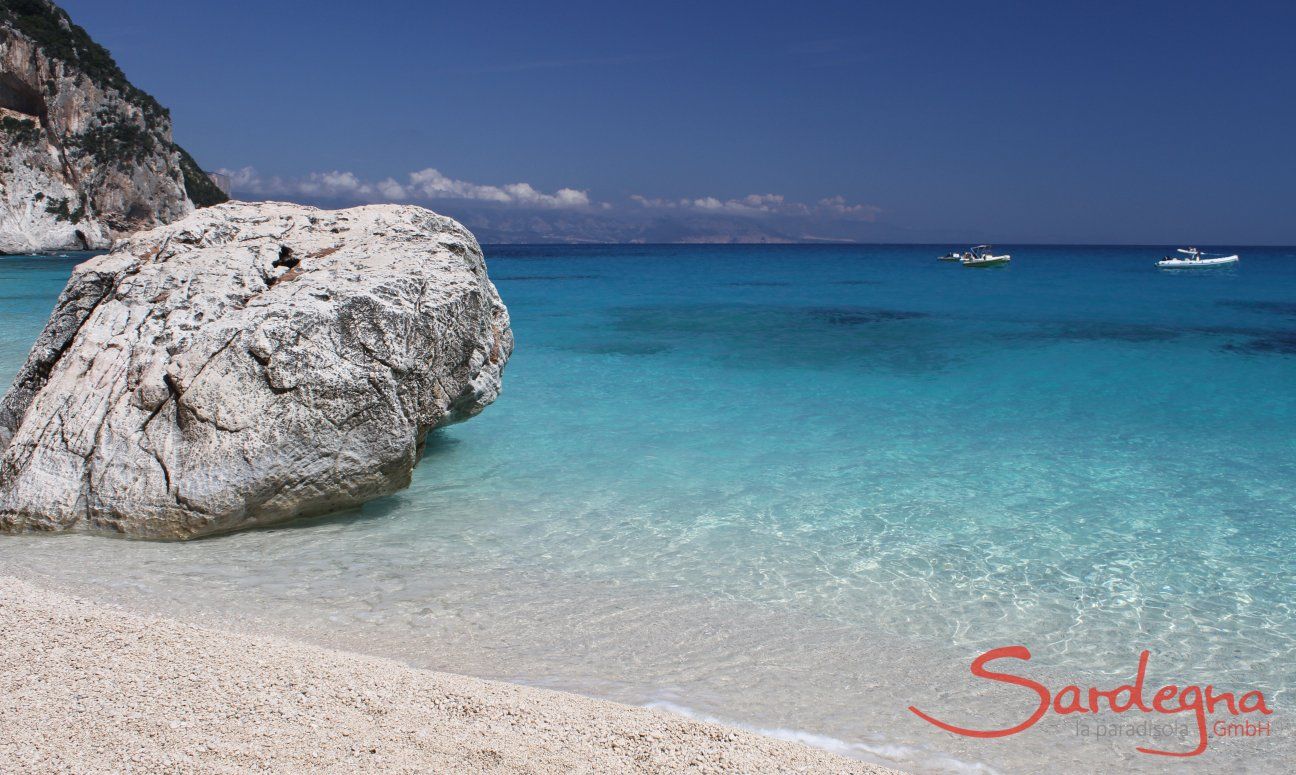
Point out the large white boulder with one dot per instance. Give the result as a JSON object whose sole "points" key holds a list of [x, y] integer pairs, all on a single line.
{"points": [[249, 364]]}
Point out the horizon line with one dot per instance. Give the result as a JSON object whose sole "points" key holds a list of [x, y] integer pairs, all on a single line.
{"points": [[845, 243]]}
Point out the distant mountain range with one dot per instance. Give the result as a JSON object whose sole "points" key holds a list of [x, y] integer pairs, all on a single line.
{"points": [[633, 225]]}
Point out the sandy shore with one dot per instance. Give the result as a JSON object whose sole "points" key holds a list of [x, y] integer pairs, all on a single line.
{"points": [[87, 687]]}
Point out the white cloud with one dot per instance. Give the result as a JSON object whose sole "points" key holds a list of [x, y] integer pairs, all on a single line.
{"points": [[749, 205], [839, 206], [431, 184], [390, 189], [334, 184], [426, 184], [243, 178], [646, 202]]}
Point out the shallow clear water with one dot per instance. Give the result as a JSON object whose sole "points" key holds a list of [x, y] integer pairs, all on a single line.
{"points": [[802, 487]]}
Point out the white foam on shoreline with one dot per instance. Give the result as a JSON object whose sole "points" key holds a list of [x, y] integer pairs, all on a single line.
{"points": [[895, 754]]}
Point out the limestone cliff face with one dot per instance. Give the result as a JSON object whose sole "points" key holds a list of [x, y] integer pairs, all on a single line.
{"points": [[85, 157]]}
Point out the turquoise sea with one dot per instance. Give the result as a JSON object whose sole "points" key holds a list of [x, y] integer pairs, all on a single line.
{"points": [[800, 488]]}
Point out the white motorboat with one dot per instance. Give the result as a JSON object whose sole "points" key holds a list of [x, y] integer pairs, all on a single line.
{"points": [[981, 256], [1194, 258], [953, 255]]}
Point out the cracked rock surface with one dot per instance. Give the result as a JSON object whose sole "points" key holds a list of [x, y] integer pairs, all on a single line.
{"points": [[249, 364]]}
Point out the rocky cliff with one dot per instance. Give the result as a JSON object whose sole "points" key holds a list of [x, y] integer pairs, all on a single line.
{"points": [[246, 365], [85, 157]]}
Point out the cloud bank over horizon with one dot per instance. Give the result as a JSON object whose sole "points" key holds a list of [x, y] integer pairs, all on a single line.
{"points": [[427, 184], [570, 214]]}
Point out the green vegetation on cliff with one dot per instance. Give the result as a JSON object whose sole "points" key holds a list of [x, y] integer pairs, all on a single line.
{"points": [[115, 141], [21, 131], [202, 191], [59, 209]]}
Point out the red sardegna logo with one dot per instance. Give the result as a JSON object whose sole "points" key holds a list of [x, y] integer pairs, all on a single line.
{"points": [[1169, 700]]}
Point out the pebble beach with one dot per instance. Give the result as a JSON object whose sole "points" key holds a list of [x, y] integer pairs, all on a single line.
{"points": [[92, 688]]}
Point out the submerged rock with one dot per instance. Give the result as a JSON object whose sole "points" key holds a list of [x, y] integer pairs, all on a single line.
{"points": [[246, 365]]}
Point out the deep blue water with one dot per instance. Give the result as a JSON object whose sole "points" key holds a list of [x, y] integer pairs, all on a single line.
{"points": [[766, 483]]}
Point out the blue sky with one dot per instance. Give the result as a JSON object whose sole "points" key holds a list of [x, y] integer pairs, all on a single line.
{"points": [[1031, 121]]}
